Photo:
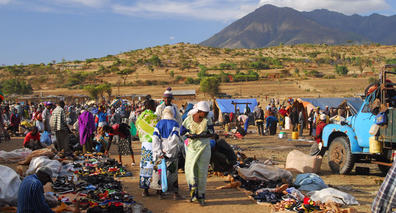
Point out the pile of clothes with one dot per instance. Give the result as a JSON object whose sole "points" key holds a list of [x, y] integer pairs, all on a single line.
{"points": [[308, 193], [93, 177], [270, 184]]}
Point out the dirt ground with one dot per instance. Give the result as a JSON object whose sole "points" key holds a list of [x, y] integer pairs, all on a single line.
{"points": [[363, 187]]}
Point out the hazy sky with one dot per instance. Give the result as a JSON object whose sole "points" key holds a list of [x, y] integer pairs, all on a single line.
{"points": [[35, 31]]}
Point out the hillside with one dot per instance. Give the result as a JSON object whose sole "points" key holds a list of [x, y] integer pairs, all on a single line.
{"points": [[297, 70], [270, 26]]}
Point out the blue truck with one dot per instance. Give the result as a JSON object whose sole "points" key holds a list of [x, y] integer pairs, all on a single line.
{"points": [[349, 142]]}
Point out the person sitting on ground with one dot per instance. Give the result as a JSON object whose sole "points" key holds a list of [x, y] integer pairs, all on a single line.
{"points": [[32, 140], [317, 147], [244, 120], [31, 192], [15, 122], [122, 136]]}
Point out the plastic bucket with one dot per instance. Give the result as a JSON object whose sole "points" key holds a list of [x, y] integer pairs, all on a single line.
{"points": [[375, 146], [294, 135]]}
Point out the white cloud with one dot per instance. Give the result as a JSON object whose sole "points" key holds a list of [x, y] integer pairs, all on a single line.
{"points": [[4, 2], [223, 10], [88, 3], [172, 38], [344, 6]]}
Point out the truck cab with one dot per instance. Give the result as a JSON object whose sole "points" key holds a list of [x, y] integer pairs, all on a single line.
{"points": [[349, 142]]}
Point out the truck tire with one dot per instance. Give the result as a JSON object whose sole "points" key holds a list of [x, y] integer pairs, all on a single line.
{"points": [[340, 158]]}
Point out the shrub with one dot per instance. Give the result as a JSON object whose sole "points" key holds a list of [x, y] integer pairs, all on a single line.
{"points": [[341, 70], [178, 78], [16, 86], [372, 80], [190, 80], [313, 73], [210, 86]]}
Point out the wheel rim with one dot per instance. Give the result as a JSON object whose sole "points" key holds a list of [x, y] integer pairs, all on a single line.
{"points": [[338, 155]]}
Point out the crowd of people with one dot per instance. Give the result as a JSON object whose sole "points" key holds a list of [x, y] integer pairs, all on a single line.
{"points": [[165, 132], [158, 125]]}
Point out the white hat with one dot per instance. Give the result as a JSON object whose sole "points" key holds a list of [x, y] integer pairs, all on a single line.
{"points": [[322, 117], [203, 106], [168, 113], [168, 93]]}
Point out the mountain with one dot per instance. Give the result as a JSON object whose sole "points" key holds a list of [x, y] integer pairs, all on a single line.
{"points": [[270, 25]]}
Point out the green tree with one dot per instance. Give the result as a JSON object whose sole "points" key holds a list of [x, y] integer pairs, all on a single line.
{"points": [[172, 74], [16, 86], [210, 85], [124, 73], [155, 60], [341, 70], [202, 72], [103, 88], [92, 91]]}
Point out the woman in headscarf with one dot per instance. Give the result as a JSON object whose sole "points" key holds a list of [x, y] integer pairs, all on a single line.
{"points": [[145, 125], [166, 145], [199, 129], [86, 129]]}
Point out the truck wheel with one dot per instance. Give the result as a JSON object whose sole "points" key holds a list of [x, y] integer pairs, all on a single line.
{"points": [[340, 159]]}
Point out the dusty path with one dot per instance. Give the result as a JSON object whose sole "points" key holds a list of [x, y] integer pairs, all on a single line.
{"points": [[363, 187]]}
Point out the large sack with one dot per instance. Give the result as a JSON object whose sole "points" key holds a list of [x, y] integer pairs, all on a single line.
{"points": [[42, 161], [259, 171], [303, 163], [14, 156], [9, 186], [331, 195], [37, 153]]}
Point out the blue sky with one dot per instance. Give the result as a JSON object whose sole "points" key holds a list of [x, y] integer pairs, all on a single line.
{"points": [[35, 31]]}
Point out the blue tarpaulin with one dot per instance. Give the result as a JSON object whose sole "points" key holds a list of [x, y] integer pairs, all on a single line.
{"points": [[225, 105], [354, 103]]}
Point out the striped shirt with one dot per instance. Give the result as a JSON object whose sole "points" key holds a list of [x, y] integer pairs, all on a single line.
{"points": [[31, 196], [58, 119], [386, 196]]}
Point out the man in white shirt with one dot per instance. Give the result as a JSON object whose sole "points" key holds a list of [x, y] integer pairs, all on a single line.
{"points": [[168, 97]]}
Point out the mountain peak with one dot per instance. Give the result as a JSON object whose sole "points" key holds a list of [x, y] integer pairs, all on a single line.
{"points": [[270, 25]]}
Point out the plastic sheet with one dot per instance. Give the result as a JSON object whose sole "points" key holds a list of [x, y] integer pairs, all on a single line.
{"points": [[14, 156], [46, 138], [333, 195], [9, 186], [164, 179], [309, 182], [259, 171], [42, 161]]}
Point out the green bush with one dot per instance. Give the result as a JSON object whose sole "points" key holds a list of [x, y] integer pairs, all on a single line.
{"points": [[190, 80], [16, 86], [210, 85], [341, 70], [313, 73], [372, 80]]}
